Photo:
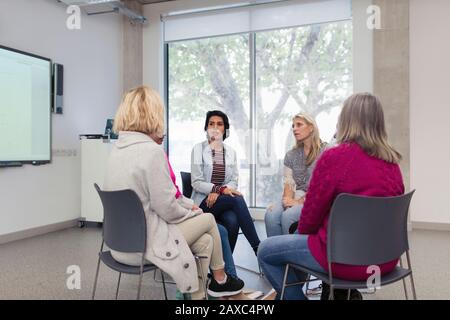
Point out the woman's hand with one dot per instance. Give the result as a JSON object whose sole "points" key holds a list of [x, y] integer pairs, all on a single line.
{"points": [[302, 199], [231, 192], [212, 198], [195, 207], [289, 202]]}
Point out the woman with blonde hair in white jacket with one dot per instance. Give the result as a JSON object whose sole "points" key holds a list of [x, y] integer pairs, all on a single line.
{"points": [[138, 163]]}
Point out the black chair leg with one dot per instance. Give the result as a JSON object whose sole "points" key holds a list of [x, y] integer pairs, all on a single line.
{"points": [[286, 271], [118, 285], [96, 278], [139, 287], [164, 285], [331, 296]]}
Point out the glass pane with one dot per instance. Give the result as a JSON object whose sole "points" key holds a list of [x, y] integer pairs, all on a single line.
{"points": [[306, 69], [209, 74]]}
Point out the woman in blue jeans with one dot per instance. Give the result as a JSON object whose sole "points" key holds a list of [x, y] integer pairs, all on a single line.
{"points": [[214, 177], [188, 204], [298, 166], [276, 252]]}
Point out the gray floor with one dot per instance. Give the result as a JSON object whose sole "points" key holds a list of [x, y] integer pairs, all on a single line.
{"points": [[36, 268]]}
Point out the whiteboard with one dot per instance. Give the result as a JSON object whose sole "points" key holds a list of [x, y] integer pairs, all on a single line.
{"points": [[25, 107]]}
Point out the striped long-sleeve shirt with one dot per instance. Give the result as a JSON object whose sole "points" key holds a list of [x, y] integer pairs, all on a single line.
{"points": [[218, 174]]}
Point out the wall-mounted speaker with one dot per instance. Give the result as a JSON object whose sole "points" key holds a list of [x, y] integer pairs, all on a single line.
{"points": [[58, 88]]}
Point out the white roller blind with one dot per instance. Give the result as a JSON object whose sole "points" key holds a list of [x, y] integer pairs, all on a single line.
{"points": [[254, 18]]}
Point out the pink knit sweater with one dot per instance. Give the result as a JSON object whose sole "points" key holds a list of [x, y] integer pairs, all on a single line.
{"points": [[174, 179], [345, 169]]}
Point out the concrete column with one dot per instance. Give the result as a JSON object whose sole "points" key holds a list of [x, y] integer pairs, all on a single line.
{"points": [[132, 49], [391, 75]]}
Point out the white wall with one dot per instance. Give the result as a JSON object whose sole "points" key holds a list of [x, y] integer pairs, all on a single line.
{"points": [[92, 57], [430, 110]]}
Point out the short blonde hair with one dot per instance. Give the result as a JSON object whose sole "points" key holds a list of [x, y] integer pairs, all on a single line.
{"points": [[141, 110], [362, 121], [316, 142]]}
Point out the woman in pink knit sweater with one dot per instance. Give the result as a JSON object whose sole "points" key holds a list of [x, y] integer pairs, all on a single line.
{"points": [[362, 163]]}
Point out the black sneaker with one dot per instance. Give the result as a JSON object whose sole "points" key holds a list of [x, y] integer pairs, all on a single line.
{"points": [[355, 295], [231, 287]]}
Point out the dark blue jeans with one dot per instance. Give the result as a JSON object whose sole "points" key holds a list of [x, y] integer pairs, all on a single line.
{"points": [[232, 213], [229, 221]]}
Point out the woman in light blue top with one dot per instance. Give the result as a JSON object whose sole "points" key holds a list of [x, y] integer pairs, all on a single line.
{"points": [[298, 166]]}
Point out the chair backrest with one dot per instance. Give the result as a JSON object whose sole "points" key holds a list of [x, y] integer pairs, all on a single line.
{"points": [[368, 230], [186, 184], [124, 223]]}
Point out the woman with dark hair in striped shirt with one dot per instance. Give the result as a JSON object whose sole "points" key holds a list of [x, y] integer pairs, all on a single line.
{"points": [[214, 174]]}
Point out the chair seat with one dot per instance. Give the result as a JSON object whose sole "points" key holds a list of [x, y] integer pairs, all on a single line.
{"points": [[397, 274], [107, 259]]}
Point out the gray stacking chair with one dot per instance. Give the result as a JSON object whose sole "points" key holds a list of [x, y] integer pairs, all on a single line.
{"points": [[186, 184], [124, 230], [365, 231]]}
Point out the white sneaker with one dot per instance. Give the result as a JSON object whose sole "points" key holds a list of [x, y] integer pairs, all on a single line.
{"points": [[270, 295], [254, 295]]}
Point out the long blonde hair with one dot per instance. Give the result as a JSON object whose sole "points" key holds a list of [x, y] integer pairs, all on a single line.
{"points": [[141, 110], [362, 121], [316, 143]]}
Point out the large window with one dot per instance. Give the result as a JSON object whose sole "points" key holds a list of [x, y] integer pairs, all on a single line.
{"points": [[260, 80]]}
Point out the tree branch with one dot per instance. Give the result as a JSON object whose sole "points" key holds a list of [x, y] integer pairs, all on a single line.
{"points": [[224, 85], [289, 80]]}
